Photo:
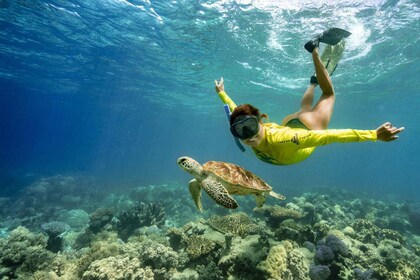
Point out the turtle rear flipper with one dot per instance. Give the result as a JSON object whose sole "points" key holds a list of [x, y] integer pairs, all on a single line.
{"points": [[195, 191], [260, 199], [219, 193], [276, 195]]}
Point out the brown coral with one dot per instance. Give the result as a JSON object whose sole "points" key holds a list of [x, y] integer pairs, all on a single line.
{"points": [[238, 223], [197, 246]]}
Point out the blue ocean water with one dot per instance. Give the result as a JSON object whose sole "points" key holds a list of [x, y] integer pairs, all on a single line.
{"points": [[119, 90]]}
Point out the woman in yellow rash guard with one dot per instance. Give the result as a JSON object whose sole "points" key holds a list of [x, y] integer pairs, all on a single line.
{"points": [[300, 133]]}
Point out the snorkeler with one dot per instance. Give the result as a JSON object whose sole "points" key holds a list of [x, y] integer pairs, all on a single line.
{"points": [[301, 132]]}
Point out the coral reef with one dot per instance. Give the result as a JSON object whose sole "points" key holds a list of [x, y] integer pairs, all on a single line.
{"points": [[363, 275], [242, 258], [117, 268], [237, 223], [414, 218], [319, 272], [197, 246], [277, 214], [178, 209], [157, 255], [23, 253], [54, 230], [368, 232], [298, 232], [100, 218], [98, 221], [142, 214], [77, 219], [276, 263], [128, 235], [324, 255], [336, 244], [285, 261]]}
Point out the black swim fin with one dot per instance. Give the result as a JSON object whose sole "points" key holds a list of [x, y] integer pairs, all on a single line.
{"points": [[330, 36], [333, 35], [330, 58]]}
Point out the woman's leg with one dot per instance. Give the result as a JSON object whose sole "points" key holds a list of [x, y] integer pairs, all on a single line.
{"points": [[320, 115], [308, 99], [305, 104]]}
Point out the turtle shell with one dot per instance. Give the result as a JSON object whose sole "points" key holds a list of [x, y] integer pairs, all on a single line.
{"points": [[235, 175]]}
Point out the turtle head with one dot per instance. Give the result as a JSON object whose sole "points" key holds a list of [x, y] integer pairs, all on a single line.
{"points": [[190, 165]]}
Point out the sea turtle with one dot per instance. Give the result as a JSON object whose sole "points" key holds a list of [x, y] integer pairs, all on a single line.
{"points": [[220, 179]]}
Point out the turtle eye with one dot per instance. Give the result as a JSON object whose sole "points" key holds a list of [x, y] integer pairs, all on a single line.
{"points": [[184, 162]]}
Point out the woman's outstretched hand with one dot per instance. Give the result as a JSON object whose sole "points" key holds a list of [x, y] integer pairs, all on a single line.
{"points": [[387, 132], [219, 85]]}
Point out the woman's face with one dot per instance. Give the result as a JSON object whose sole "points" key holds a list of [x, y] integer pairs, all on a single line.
{"points": [[255, 140]]}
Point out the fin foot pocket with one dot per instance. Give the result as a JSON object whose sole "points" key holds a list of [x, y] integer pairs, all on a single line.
{"points": [[331, 36], [311, 45]]}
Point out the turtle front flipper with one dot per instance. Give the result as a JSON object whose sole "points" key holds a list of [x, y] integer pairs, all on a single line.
{"points": [[195, 191], [218, 193]]}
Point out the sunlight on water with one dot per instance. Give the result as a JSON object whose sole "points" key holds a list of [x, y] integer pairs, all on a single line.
{"points": [[186, 44]]}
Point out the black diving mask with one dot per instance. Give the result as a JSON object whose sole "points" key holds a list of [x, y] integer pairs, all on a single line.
{"points": [[245, 126]]}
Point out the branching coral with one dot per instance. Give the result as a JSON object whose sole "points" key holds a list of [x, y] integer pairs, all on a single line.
{"points": [[157, 255], [99, 218], [24, 251], [143, 214], [97, 251], [175, 237]]}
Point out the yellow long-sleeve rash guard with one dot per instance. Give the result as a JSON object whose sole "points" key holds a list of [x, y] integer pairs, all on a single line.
{"points": [[283, 145]]}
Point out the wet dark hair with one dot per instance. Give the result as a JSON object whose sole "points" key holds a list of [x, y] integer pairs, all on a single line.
{"points": [[244, 110]]}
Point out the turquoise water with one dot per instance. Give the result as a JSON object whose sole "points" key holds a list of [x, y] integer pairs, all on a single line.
{"points": [[120, 89], [98, 99]]}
